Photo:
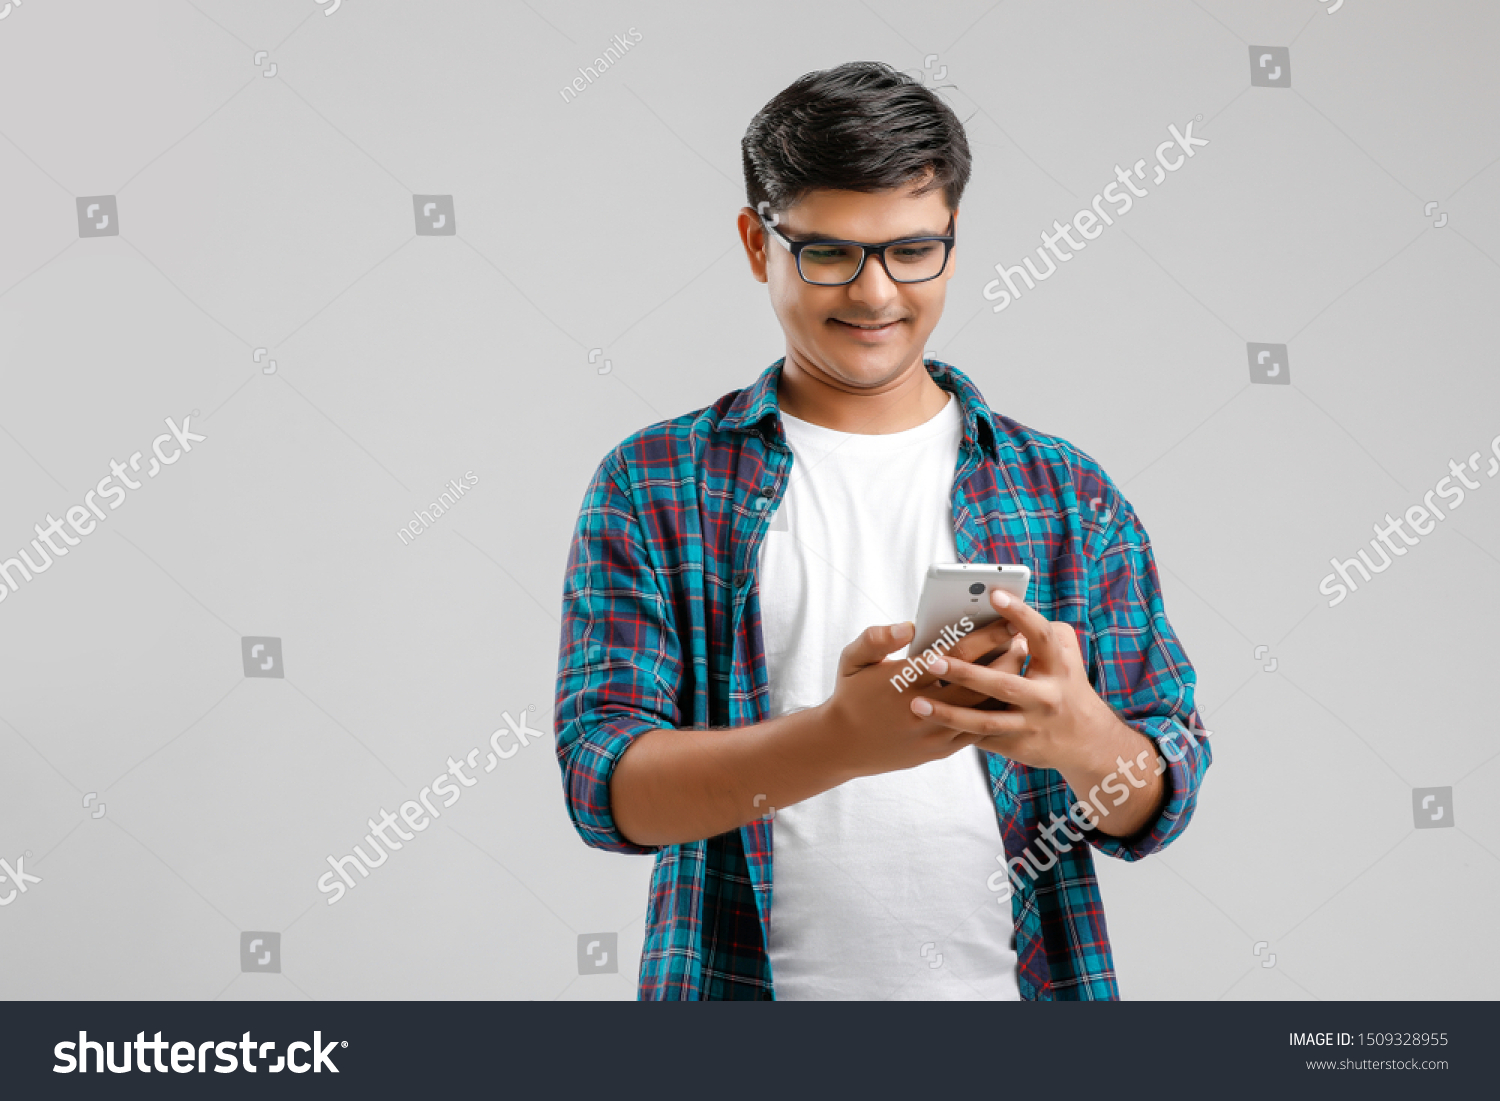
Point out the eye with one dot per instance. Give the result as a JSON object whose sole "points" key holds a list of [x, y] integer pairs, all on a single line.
{"points": [[826, 254], [912, 254]]}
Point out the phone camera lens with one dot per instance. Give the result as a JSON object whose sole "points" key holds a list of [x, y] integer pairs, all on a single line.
{"points": [[977, 588]]}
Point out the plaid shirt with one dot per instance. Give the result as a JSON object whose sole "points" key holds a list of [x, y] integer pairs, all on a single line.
{"points": [[662, 628]]}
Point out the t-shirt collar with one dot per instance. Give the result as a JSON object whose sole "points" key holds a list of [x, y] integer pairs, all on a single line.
{"points": [[757, 405]]}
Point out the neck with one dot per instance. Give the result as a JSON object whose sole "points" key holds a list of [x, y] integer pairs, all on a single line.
{"points": [[906, 400]]}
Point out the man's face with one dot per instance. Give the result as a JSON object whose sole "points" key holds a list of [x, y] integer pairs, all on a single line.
{"points": [[867, 333]]}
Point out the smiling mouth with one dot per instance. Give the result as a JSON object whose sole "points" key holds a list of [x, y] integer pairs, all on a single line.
{"points": [[869, 328]]}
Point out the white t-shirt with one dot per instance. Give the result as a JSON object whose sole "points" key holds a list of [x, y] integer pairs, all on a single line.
{"points": [[879, 886]]}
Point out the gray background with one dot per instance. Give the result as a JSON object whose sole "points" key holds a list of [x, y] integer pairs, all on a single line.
{"points": [[276, 212]]}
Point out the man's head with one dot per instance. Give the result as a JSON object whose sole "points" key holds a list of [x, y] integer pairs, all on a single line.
{"points": [[857, 153]]}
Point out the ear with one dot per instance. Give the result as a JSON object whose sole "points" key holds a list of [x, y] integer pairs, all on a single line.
{"points": [[953, 252], [753, 238]]}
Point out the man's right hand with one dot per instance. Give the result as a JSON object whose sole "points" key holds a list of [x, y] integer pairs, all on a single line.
{"points": [[867, 722]]}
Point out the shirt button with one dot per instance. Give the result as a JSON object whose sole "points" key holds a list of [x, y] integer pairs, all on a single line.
{"points": [[768, 491], [740, 579]]}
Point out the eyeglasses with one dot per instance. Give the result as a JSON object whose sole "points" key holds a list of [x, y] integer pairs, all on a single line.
{"points": [[828, 263]]}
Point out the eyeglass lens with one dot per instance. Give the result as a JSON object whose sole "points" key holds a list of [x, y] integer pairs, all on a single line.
{"points": [[907, 263]]}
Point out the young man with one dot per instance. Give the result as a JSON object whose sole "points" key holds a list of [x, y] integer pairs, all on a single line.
{"points": [[740, 577]]}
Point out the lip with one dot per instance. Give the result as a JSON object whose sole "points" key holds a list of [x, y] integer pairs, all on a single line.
{"points": [[868, 336]]}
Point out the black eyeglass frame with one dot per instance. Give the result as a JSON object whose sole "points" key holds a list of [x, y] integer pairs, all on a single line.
{"points": [[796, 247]]}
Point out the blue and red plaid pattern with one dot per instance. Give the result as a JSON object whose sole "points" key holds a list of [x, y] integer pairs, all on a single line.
{"points": [[661, 628]]}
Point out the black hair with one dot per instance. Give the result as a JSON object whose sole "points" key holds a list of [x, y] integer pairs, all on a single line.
{"points": [[862, 126]]}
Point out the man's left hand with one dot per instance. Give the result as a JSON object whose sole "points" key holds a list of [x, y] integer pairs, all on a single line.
{"points": [[1056, 720]]}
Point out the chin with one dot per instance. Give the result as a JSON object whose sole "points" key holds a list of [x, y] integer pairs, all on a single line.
{"points": [[874, 365]]}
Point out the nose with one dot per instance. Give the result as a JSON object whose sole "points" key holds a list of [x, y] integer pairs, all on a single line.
{"points": [[874, 288]]}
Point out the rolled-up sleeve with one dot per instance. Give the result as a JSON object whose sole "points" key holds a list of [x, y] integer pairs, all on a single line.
{"points": [[1139, 668], [619, 661]]}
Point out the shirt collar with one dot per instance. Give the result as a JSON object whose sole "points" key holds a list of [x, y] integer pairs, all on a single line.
{"points": [[756, 404]]}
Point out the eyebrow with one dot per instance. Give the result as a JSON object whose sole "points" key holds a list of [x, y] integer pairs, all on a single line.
{"points": [[801, 238]]}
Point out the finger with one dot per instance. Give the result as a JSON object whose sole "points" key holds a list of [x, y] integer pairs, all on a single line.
{"points": [[982, 723], [1031, 623], [959, 696], [1009, 662], [873, 645], [930, 682], [950, 693], [1012, 661], [993, 637], [926, 678], [1006, 685], [980, 646]]}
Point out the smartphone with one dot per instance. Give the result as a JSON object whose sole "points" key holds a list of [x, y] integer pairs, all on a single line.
{"points": [[953, 592]]}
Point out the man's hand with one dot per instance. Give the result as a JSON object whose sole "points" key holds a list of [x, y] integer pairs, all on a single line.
{"points": [[868, 731], [1056, 719]]}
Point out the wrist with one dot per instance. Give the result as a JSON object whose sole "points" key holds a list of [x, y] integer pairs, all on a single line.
{"points": [[827, 739], [1102, 736]]}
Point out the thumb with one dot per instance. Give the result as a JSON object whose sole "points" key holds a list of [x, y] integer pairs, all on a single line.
{"points": [[873, 645]]}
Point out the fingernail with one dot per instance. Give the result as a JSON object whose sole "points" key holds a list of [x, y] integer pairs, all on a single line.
{"points": [[1002, 597], [921, 706], [902, 631], [938, 665]]}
